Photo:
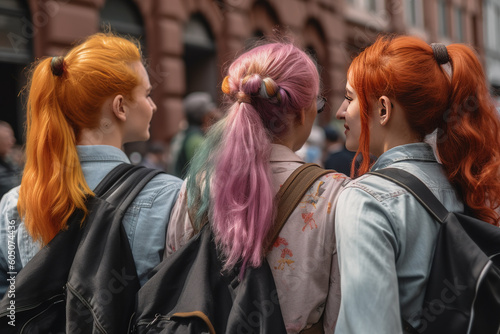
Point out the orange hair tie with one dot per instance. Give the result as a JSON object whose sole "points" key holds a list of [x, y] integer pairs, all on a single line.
{"points": [[225, 85]]}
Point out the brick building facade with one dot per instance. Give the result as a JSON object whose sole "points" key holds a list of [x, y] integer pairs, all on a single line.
{"points": [[491, 10], [190, 42]]}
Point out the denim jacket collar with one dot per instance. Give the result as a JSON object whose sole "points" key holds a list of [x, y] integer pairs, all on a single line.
{"points": [[416, 151], [101, 153]]}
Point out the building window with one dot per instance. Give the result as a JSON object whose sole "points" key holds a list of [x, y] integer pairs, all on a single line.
{"points": [[497, 21], [414, 13], [490, 25], [367, 5], [123, 17], [372, 5], [200, 56], [16, 32], [16, 52], [443, 19], [459, 24]]}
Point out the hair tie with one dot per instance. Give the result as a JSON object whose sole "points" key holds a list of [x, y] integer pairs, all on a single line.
{"points": [[269, 89], [243, 98], [440, 53], [57, 66], [225, 85], [263, 90]]}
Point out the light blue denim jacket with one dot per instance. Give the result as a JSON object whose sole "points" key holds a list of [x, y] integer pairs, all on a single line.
{"points": [[385, 242], [145, 221]]}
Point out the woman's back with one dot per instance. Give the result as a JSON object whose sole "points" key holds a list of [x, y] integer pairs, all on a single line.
{"points": [[400, 94], [274, 96], [303, 258], [145, 221], [387, 233]]}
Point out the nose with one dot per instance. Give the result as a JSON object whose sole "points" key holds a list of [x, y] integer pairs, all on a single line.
{"points": [[153, 105], [342, 110]]}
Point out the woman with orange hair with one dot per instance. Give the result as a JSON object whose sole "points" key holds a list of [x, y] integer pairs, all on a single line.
{"points": [[81, 109], [401, 95]]}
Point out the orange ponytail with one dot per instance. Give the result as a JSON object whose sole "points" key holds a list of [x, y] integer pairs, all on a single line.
{"points": [[58, 108], [469, 147]]}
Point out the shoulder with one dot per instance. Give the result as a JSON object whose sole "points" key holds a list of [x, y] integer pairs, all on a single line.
{"points": [[336, 178], [370, 203], [333, 182], [9, 216], [377, 188], [8, 205], [166, 180], [163, 185]]}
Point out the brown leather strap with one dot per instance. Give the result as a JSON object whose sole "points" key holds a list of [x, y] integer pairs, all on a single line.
{"points": [[288, 197], [317, 328], [291, 193]]}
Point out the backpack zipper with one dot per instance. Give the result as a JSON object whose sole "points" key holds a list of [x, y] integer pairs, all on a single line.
{"points": [[32, 306], [87, 305], [38, 314], [150, 323]]}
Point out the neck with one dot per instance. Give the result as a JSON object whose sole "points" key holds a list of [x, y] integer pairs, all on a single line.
{"points": [[394, 141], [100, 137]]}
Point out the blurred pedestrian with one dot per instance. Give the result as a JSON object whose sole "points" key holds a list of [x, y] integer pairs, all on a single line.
{"points": [[201, 113], [312, 150], [337, 156], [10, 171], [155, 157]]}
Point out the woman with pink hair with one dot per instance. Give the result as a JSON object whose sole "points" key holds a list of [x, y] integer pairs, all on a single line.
{"points": [[273, 95]]}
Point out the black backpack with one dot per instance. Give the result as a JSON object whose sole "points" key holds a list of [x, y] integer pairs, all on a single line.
{"points": [[463, 291], [189, 293], [84, 280]]}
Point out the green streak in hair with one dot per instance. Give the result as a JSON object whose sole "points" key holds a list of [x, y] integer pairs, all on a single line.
{"points": [[200, 171]]}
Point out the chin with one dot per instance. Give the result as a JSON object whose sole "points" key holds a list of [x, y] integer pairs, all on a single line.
{"points": [[144, 137], [352, 148]]}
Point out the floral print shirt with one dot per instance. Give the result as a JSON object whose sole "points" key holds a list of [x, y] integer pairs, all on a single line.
{"points": [[304, 258]]}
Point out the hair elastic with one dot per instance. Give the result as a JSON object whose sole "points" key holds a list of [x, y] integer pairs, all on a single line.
{"points": [[57, 65], [269, 89], [440, 53], [263, 90], [225, 85], [244, 98]]}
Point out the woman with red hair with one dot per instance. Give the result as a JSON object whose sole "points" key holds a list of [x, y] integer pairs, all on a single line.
{"points": [[401, 95]]}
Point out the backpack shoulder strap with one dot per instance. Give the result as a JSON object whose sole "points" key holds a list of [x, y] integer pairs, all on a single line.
{"points": [[292, 192], [110, 179], [424, 195], [417, 188]]}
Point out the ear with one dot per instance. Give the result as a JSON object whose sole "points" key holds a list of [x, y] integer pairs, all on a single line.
{"points": [[385, 107], [301, 117], [119, 108]]}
